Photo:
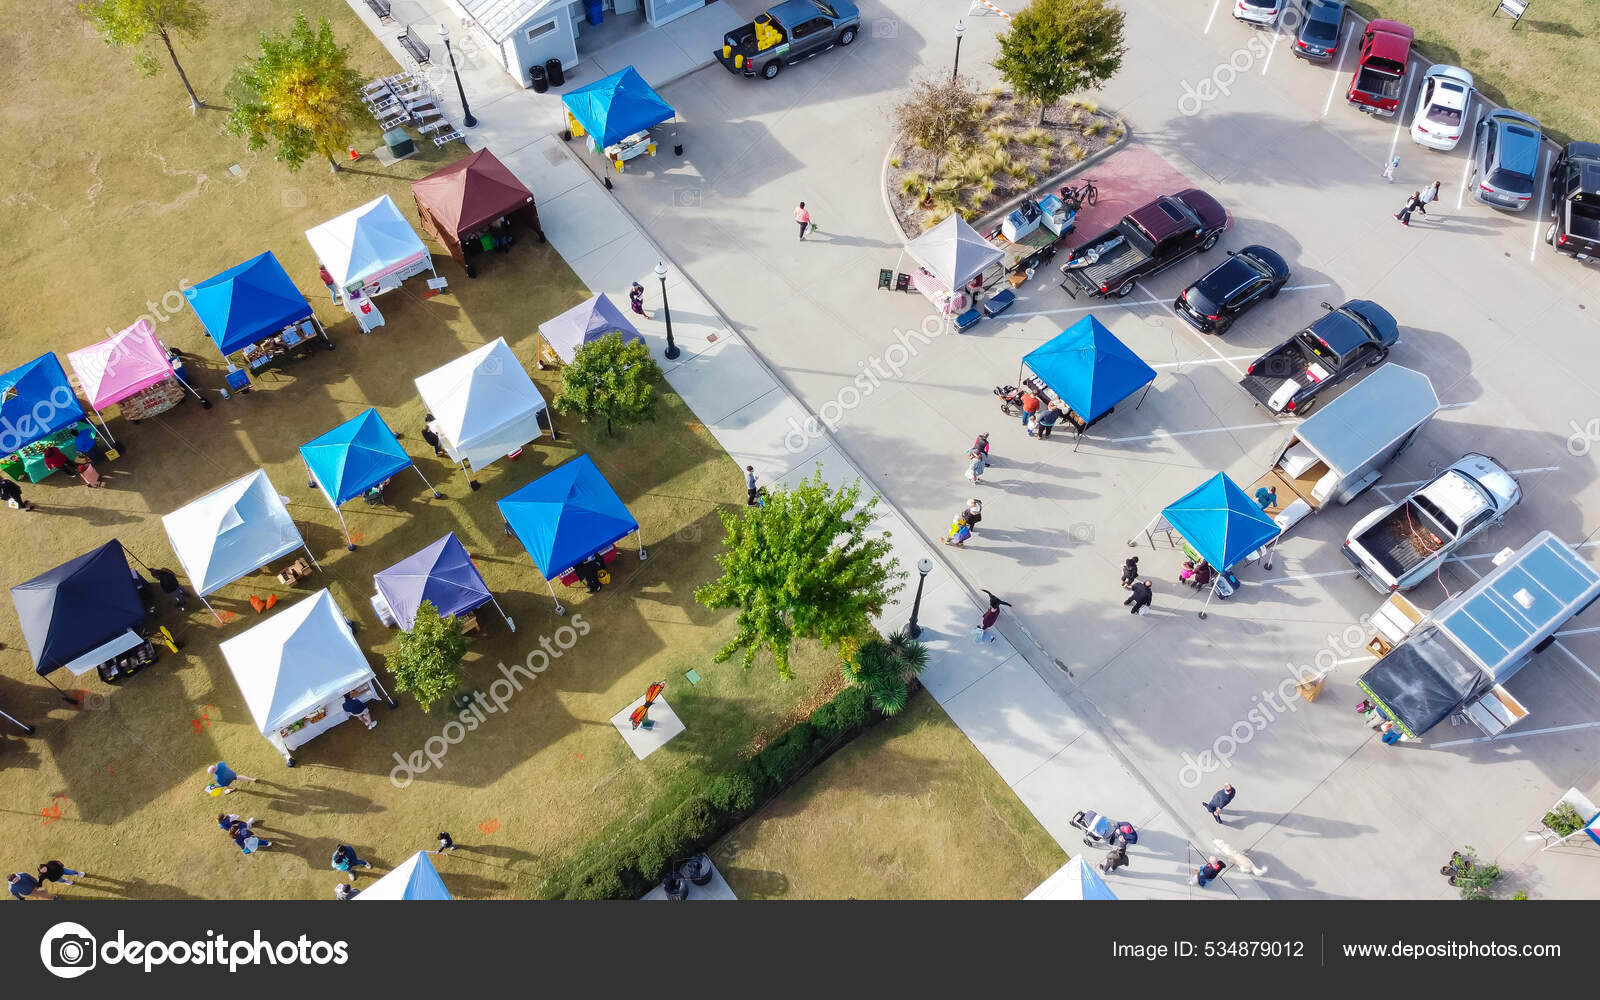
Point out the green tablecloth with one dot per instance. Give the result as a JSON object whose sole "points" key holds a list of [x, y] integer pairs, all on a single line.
{"points": [[30, 462]]}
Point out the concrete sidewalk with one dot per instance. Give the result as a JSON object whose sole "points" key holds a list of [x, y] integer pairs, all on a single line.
{"points": [[1049, 753]]}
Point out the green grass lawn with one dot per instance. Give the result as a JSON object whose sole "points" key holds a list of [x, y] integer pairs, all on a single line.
{"points": [[1546, 67], [911, 810], [120, 194]]}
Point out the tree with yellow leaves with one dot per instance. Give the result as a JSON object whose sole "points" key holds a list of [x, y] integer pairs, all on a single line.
{"points": [[300, 93], [134, 22]]}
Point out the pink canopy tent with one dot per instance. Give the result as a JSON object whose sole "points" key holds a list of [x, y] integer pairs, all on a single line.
{"points": [[121, 366]]}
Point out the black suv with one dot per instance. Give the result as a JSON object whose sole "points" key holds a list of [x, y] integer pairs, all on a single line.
{"points": [[1575, 201], [1211, 304]]}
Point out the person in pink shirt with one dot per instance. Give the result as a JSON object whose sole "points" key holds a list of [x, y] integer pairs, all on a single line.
{"points": [[803, 217]]}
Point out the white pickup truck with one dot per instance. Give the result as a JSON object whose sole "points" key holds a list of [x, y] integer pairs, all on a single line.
{"points": [[1401, 545]]}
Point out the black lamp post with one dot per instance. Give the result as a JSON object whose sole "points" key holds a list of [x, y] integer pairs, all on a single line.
{"points": [[924, 567], [961, 29], [672, 351], [468, 121]]}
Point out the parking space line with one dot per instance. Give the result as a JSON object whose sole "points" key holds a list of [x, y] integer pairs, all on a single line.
{"points": [[1277, 33], [1577, 631], [1338, 71], [1573, 657], [1204, 361], [1419, 482], [1517, 732], [1214, 7], [1302, 288], [1538, 205], [1472, 157], [1400, 113], [1201, 430], [1202, 337]]}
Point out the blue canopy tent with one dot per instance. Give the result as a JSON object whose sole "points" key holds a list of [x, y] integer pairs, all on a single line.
{"points": [[36, 400], [412, 879], [81, 613], [1074, 880], [1089, 370], [441, 574], [248, 303], [614, 108], [1221, 523], [357, 456], [566, 516]]}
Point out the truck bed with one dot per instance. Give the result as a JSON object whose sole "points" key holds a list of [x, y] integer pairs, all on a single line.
{"points": [[1107, 269], [1376, 83], [1289, 363], [1288, 489], [1402, 541]]}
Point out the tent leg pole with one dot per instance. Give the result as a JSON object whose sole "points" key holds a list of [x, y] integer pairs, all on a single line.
{"points": [[308, 548], [69, 699], [324, 330], [436, 494], [468, 473], [1146, 392], [559, 609], [1209, 592], [17, 722], [103, 427], [311, 477], [210, 609], [1134, 541], [1271, 550], [643, 555], [386, 695], [509, 623], [349, 543], [552, 422]]}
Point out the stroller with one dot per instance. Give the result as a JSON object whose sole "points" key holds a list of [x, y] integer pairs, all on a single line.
{"points": [[1098, 829], [1011, 396]]}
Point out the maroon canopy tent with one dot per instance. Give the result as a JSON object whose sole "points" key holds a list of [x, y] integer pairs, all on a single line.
{"points": [[463, 200]]}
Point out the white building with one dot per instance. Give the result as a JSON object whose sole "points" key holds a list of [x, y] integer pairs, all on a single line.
{"points": [[526, 33]]}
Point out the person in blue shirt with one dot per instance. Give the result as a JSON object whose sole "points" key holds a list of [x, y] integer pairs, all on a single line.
{"points": [[25, 886], [223, 777]]}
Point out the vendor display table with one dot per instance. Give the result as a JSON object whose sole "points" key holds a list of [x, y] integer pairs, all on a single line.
{"points": [[29, 461], [936, 293], [294, 342], [637, 144], [318, 722]]}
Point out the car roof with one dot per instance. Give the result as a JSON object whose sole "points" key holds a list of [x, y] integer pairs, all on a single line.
{"points": [[1161, 218], [1343, 334], [1268, 256], [1520, 141], [1586, 150], [1227, 278], [1329, 11], [1455, 73]]}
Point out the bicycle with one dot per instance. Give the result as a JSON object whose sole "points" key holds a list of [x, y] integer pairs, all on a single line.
{"points": [[1074, 198]]}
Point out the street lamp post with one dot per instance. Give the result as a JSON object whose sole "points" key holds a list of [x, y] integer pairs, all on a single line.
{"points": [[924, 567], [666, 311], [468, 121], [961, 29]]}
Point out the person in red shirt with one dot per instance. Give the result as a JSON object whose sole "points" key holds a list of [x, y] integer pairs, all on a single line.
{"points": [[1030, 406], [327, 279]]}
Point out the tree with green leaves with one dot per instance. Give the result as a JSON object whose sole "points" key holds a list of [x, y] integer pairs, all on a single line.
{"points": [[802, 567], [885, 667], [610, 379], [1060, 47], [134, 22], [941, 115], [426, 660], [300, 93]]}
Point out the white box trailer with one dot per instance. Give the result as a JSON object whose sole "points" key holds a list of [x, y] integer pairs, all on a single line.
{"points": [[1339, 451]]}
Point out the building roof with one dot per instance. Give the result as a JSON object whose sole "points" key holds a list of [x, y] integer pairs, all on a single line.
{"points": [[499, 18]]}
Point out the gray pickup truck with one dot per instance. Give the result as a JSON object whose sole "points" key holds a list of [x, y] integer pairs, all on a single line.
{"points": [[1340, 343], [791, 31]]}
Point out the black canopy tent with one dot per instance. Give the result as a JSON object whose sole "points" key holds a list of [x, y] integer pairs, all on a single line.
{"points": [[79, 608]]}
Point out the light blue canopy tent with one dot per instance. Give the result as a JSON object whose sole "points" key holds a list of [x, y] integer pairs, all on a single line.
{"points": [[1090, 369], [566, 516], [582, 323], [36, 400], [354, 457], [616, 107], [1221, 523], [441, 574], [248, 303], [414, 878], [1073, 880]]}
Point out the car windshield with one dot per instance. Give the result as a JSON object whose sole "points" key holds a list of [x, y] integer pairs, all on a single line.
{"points": [[1383, 65], [1199, 301], [1321, 32], [1511, 182], [1441, 115], [1262, 4], [1432, 510]]}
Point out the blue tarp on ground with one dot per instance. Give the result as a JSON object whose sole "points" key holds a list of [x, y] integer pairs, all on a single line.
{"points": [[582, 323], [1221, 522], [36, 400], [441, 574], [566, 516], [354, 457], [616, 107], [1089, 368], [77, 606], [247, 303]]}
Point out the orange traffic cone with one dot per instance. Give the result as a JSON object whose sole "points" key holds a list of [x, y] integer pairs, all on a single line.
{"points": [[255, 602], [272, 601]]}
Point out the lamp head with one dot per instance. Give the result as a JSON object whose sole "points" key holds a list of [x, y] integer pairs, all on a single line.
{"points": [[661, 269], [924, 565], [444, 34], [961, 28]]}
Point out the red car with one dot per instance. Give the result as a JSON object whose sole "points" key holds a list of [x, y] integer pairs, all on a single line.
{"points": [[1375, 87]]}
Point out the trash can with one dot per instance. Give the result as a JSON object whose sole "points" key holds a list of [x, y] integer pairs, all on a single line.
{"points": [[552, 69], [595, 9], [541, 83], [399, 143]]}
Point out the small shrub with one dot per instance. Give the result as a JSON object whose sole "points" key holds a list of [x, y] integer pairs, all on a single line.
{"points": [[600, 885], [985, 104], [966, 213], [1045, 160], [1076, 118], [655, 854], [988, 185], [1519, 894], [1563, 820], [1088, 106], [1095, 129], [1076, 152], [1038, 137], [1113, 139], [852, 708], [894, 161], [913, 182], [996, 90], [783, 760], [978, 200], [736, 793], [1002, 119]]}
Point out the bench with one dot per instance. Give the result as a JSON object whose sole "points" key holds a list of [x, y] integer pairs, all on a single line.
{"points": [[382, 8], [418, 50]]}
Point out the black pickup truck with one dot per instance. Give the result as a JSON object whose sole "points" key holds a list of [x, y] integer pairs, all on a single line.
{"points": [[1340, 343], [1575, 201], [1147, 240]]}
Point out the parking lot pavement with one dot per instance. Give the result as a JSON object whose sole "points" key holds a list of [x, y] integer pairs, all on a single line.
{"points": [[1505, 337]]}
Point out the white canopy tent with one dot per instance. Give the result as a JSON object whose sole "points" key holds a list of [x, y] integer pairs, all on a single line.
{"points": [[231, 532], [368, 251], [295, 670], [1074, 880], [414, 878], [949, 256], [484, 405]]}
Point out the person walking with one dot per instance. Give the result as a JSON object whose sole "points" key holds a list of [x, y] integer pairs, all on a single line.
{"points": [[1208, 871], [327, 280], [55, 871], [636, 298], [1047, 420], [1390, 168], [25, 887], [246, 838], [1412, 204], [990, 616], [1116, 858], [345, 860], [1219, 802], [1430, 194], [981, 444], [1143, 591], [11, 493], [965, 523], [167, 580], [804, 218], [431, 435], [750, 486], [223, 777], [975, 467], [1130, 571], [359, 710], [446, 843]]}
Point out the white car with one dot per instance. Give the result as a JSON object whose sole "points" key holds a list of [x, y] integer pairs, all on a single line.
{"points": [[1259, 12], [1442, 107]]}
